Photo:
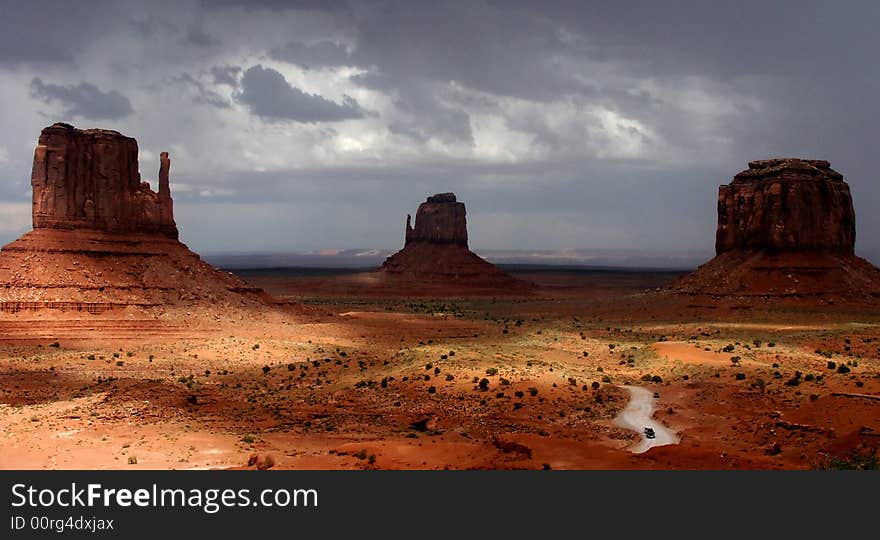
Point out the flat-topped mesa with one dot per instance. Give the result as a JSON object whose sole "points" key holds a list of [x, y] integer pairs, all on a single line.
{"points": [[786, 205], [89, 179], [439, 220]]}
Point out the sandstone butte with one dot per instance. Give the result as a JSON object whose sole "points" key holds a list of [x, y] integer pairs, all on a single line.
{"points": [[102, 239], [786, 228], [436, 252]]}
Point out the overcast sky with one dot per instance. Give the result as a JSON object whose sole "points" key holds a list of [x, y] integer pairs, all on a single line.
{"points": [[305, 125]]}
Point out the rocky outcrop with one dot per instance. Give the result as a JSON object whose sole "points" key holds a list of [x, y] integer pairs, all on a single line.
{"points": [[786, 205], [436, 257], [439, 220], [89, 179], [103, 240], [786, 229]]}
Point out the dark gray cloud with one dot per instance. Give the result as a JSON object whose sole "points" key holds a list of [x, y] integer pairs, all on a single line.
{"points": [[201, 93], [197, 36], [82, 100], [32, 32], [277, 5], [268, 95], [227, 75]]}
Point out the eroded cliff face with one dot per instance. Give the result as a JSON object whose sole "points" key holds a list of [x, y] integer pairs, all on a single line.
{"points": [[439, 220], [103, 240], [786, 233], [89, 180], [786, 205]]}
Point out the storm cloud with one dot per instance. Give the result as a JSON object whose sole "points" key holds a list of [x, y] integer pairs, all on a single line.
{"points": [[83, 100], [268, 94], [562, 124]]}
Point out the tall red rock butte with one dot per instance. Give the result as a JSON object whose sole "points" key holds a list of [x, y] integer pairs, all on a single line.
{"points": [[436, 251], [102, 239], [786, 228]]}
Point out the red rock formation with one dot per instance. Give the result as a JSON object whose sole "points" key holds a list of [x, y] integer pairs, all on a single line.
{"points": [[439, 220], [786, 205], [89, 179], [436, 252], [786, 229], [103, 240]]}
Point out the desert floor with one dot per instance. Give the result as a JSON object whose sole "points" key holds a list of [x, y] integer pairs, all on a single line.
{"points": [[347, 378]]}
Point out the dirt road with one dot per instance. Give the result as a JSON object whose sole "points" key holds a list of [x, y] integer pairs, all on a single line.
{"points": [[638, 414]]}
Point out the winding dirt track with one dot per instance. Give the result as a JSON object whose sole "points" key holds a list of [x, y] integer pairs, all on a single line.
{"points": [[638, 414]]}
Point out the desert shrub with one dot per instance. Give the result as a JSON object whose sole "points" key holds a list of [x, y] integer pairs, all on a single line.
{"points": [[533, 391], [728, 348], [484, 384], [842, 368], [656, 379], [432, 389], [266, 370], [740, 376], [854, 462], [55, 344], [606, 379], [492, 371], [595, 385], [249, 439]]}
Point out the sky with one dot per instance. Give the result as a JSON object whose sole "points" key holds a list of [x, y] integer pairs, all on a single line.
{"points": [[306, 125]]}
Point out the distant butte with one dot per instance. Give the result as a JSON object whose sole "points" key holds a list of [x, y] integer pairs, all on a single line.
{"points": [[102, 239], [786, 228], [436, 251]]}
